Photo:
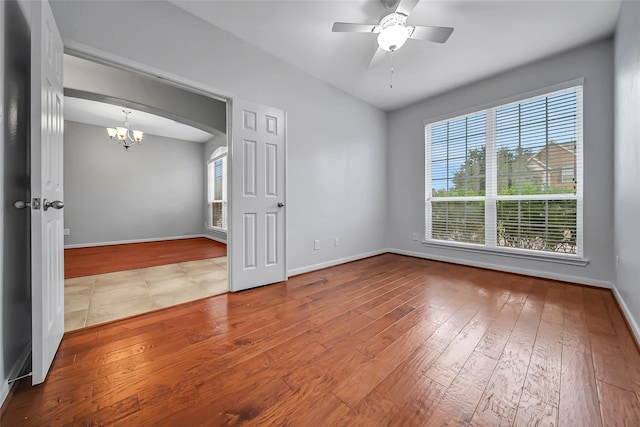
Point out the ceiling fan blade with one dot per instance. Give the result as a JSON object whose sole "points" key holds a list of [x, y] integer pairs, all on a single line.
{"points": [[345, 27], [377, 58], [432, 34], [406, 6]]}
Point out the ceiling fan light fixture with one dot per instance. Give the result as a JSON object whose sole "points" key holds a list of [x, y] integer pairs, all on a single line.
{"points": [[393, 37]]}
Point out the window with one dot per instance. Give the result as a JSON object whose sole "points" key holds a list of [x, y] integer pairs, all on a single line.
{"points": [[567, 174], [508, 177], [217, 190]]}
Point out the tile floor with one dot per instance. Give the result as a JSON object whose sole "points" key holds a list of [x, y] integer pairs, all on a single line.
{"points": [[97, 299]]}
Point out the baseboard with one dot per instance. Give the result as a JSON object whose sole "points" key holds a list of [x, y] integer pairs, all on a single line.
{"points": [[508, 269], [214, 238], [320, 266], [15, 371], [124, 242], [631, 321]]}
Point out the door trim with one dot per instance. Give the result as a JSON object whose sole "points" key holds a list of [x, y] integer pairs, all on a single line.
{"points": [[91, 53]]}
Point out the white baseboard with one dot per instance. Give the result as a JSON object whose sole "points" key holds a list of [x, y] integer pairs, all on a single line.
{"points": [[320, 266], [627, 314], [214, 238], [124, 242], [508, 269], [17, 368]]}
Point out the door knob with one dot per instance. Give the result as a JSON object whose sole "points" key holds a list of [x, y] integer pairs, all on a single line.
{"points": [[21, 204], [55, 204], [280, 205]]}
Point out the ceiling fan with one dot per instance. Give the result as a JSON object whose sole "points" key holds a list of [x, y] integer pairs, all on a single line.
{"points": [[393, 31]]}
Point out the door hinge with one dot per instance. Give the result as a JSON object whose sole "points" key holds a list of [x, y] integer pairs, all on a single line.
{"points": [[35, 205]]}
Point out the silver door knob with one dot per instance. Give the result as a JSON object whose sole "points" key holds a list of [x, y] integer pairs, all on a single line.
{"points": [[55, 204], [280, 205], [21, 204]]}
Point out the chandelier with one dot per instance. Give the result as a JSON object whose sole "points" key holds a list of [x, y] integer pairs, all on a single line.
{"points": [[124, 135]]}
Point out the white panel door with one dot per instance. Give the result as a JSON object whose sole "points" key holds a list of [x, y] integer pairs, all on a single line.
{"points": [[257, 245], [47, 244]]}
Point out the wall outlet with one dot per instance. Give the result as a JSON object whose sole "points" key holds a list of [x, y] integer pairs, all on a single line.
{"points": [[316, 245], [617, 261], [336, 241], [67, 232], [416, 236]]}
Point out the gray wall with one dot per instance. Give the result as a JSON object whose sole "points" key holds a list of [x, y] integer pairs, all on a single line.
{"points": [[336, 144], [15, 286], [151, 191], [406, 161], [627, 159], [146, 94]]}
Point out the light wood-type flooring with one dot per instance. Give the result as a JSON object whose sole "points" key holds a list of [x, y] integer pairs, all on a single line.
{"points": [[100, 298], [388, 340]]}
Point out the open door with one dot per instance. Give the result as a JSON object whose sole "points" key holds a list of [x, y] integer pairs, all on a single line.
{"points": [[258, 178], [47, 243]]}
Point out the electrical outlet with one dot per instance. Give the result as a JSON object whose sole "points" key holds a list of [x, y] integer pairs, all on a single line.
{"points": [[316, 245], [67, 232], [617, 262], [416, 236], [336, 241]]}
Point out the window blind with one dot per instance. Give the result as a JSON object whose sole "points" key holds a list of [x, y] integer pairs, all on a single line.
{"points": [[508, 176], [217, 193]]}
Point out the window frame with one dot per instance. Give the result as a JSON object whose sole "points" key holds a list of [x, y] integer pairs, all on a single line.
{"points": [[219, 154], [491, 197]]}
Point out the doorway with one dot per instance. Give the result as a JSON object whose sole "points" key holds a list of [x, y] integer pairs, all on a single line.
{"points": [[140, 231]]}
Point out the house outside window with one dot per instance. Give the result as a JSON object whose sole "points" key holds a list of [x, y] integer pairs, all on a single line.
{"points": [[217, 190], [508, 178]]}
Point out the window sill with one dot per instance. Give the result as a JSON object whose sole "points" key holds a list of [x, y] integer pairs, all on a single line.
{"points": [[511, 253]]}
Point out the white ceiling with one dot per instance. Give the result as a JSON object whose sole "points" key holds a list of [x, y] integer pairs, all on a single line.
{"points": [[489, 37], [109, 115]]}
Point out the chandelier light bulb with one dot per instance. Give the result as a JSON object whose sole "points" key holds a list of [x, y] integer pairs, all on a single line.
{"points": [[137, 135], [122, 133]]}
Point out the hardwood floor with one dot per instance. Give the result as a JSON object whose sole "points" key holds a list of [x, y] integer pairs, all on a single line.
{"points": [[389, 340], [80, 262]]}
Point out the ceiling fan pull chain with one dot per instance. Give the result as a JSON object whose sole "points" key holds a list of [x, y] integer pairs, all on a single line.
{"points": [[392, 70]]}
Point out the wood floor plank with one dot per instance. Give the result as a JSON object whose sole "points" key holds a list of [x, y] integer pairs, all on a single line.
{"points": [[388, 340], [543, 376], [619, 407], [612, 364], [460, 400], [578, 394], [401, 384], [534, 412], [80, 262], [450, 362], [499, 402], [374, 410], [500, 399]]}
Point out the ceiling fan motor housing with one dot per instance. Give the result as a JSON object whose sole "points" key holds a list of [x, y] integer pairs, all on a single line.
{"points": [[390, 4], [393, 31]]}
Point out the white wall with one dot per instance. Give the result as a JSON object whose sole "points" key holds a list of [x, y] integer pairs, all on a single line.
{"points": [[627, 160], [152, 191], [336, 144], [406, 161]]}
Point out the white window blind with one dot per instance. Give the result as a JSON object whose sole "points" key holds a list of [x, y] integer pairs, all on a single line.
{"points": [[508, 176], [217, 193]]}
